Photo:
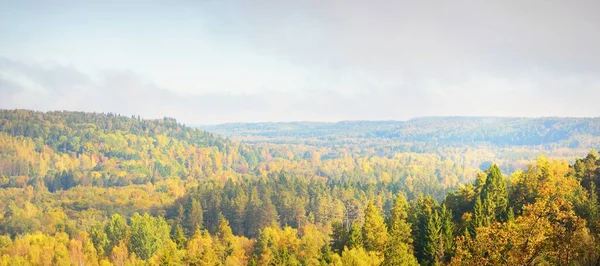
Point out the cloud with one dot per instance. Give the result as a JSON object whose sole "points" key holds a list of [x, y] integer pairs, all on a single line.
{"points": [[224, 61], [426, 35], [58, 87]]}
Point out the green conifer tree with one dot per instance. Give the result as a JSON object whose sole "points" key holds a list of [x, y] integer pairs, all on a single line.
{"points": [[194, 216], [374, 231], [179, 236], [479, 218], [355, 237], [447, 231], [399, 249], [495, 195], [434, 247]]}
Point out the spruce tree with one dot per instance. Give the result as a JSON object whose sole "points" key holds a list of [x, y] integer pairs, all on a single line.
{"points": [[252, 215], [479, 218], [593, 209], [179, 236], [494, 195], [339, 237], [194, 216], [223, 239], [510, 216], [447, 231], [434, 245], [399, 249], [355, 237], [420, 211], [374, 230]]}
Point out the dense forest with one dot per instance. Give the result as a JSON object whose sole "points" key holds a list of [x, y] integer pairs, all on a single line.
{"points": [[471, 141], [445, 131], [103, 189]]}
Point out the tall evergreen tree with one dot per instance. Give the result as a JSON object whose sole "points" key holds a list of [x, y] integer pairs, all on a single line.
{"points": [[374, 231], [434, 248], [479, 218], [179, 236], [447, 231], [592, 207], [252, 215], [223, 239], [420, 211], [339, 237], [495, 195], [355, 236], [268, 214], [399, 249], [194, 216]]}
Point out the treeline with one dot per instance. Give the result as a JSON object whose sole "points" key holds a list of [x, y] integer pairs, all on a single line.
{"points": [[441, 131], [469, 141]]}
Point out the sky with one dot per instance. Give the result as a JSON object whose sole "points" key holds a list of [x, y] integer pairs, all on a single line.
{"points": [[208, 62]]}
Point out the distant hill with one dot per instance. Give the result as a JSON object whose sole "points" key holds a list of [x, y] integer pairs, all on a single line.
{"points": [[64, 149], [442, 131]]}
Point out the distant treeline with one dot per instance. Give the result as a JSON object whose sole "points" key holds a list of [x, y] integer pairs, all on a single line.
{"points": [[451, 131]]}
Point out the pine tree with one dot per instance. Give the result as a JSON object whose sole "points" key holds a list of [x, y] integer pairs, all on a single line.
{"points": [[169, 255], [179, 236], [223, 239], [420, 211], [593, 209], [194, 216], [479, 218], [339, 237], [268, 214], [510, 216], [480, 182], [355, 236], [434, 247], [180, 218], [494, 195], [252, 215], [447, 231], [399, 249], [374, 230], [224, 233]]}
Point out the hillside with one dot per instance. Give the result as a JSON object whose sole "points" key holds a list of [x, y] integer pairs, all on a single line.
{"points": [[470, 141], [65, 149], [442, 131]]}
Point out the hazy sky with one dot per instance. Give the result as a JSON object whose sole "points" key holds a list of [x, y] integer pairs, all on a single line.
{"points": [[224, 61]]}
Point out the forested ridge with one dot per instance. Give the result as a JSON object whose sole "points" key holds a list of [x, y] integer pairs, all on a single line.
{"points": [[477, 142], [446, 131], [103, 189]]}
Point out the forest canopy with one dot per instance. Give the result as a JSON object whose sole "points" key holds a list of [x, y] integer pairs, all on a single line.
{"points": [[104, 189]]}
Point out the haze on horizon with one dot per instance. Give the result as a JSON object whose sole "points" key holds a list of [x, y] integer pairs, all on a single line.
{"points": [[206, 62]]}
